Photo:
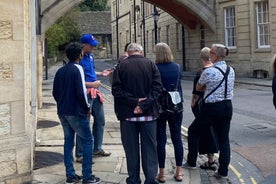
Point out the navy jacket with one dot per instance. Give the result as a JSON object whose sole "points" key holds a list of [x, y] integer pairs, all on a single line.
{"points": [[69, 91], [136, 77]]}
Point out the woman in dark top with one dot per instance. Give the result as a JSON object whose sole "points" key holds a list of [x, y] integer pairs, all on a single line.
{"points": [[171, 78], [274, 80], [207, 142]]}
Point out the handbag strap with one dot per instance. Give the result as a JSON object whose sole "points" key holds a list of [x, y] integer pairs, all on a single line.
{"points": [[178, 76], [224, 78]]}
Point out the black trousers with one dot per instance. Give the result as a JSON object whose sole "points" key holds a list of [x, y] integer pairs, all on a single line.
{"points": [[218, 115]]}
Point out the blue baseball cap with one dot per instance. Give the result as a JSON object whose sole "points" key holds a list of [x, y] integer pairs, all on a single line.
{"points": [[89, 39]]}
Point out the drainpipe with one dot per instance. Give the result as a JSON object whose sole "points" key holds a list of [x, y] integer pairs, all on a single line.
{"points": [[117, 28], [183, 49], [33, 58], [134, 20], [144, 28]]}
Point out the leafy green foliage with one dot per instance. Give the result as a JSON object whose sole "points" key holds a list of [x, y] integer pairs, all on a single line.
{"points": [[94, 5], [64, 31]]}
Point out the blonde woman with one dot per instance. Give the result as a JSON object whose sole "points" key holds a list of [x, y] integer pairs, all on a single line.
{"points": [[171, 77]]}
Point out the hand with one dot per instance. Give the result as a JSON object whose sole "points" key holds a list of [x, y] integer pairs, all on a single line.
{"points": [[141, 99], [138, 110], [107, 72], [97, 84]]}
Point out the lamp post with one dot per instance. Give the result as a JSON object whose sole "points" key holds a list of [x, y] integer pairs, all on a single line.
{"points": [[155, 18]]}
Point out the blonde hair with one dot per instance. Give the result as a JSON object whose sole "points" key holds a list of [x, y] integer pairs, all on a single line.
{"points": [[163, 53], [204, 53]]}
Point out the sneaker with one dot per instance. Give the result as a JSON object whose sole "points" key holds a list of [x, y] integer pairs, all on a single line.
{"points": [[101, 153], [188, 166], [72, 180], [218, 176], [93, 180], [79, 160]]}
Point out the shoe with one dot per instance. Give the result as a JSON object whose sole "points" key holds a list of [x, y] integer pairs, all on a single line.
{"points": [[71, 180], [79, 160], [178, 178], [161, 179], [218, 176], [93, 179], [101, 153], [187, 166], [209, 166]]}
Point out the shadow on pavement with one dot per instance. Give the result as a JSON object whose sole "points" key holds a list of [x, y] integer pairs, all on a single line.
{"points": [[46, 158]]}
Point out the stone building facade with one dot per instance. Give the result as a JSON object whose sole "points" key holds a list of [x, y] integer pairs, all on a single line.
{"points": [[247, 28], [17, 102], [98, 24]]}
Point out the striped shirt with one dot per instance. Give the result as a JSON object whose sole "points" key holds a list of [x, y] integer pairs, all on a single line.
{"points": [[141, 118]]}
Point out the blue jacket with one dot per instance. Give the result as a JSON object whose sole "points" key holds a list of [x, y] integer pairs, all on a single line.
{"points": [[171, 75], [69, 91]]}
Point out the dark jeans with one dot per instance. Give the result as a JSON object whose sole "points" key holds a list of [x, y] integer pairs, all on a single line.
{"points": [[77, 125], [132, 134], [174, 123], [219, 116], [97, 110]]}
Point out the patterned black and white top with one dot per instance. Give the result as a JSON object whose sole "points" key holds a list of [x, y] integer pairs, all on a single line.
{"points": [[211, 77]]}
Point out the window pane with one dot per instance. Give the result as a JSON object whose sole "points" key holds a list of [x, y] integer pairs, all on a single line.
{"points": [[262, 18], [230, 27]]}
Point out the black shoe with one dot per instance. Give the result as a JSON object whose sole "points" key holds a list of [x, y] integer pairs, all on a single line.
{"points": [[188, 166], [72, 180], [218, 176], [93, 179]]}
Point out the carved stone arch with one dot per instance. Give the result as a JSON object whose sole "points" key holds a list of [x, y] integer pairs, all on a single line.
{"points": [[51, 10], [190, 12]]}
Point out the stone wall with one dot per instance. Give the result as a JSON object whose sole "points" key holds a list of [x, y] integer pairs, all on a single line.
{"points": [[97, 23], [16, 121]]}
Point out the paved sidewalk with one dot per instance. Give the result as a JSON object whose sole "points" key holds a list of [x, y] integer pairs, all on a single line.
{"points": [[49, 168]]}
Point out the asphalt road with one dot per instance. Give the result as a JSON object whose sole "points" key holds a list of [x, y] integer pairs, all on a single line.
{"points": [[252, 134]]}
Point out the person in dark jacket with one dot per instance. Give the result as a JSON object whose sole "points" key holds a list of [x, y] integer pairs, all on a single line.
{"points": [[136, 89], [72, 107], [171, 79], [274, 80]]}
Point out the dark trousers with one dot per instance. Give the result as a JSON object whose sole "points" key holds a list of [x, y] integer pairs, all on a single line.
{"points": [[133, 134], [174, 123], [207, 141], [219, 116]]}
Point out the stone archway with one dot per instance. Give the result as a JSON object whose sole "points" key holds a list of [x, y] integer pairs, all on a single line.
{"points": [[190, 12], [51, 10]]}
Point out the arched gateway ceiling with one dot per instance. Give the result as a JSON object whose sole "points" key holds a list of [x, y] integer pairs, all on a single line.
{"points": [[188, 12]]}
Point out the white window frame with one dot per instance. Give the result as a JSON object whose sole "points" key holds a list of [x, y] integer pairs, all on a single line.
{"points": [[262, 23], [230, 27]]}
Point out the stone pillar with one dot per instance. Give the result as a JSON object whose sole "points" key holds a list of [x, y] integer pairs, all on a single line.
{"points": [[16, 121]]}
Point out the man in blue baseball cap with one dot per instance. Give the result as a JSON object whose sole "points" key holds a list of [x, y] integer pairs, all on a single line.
{"points": [[94, 96], [89, 39]]}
